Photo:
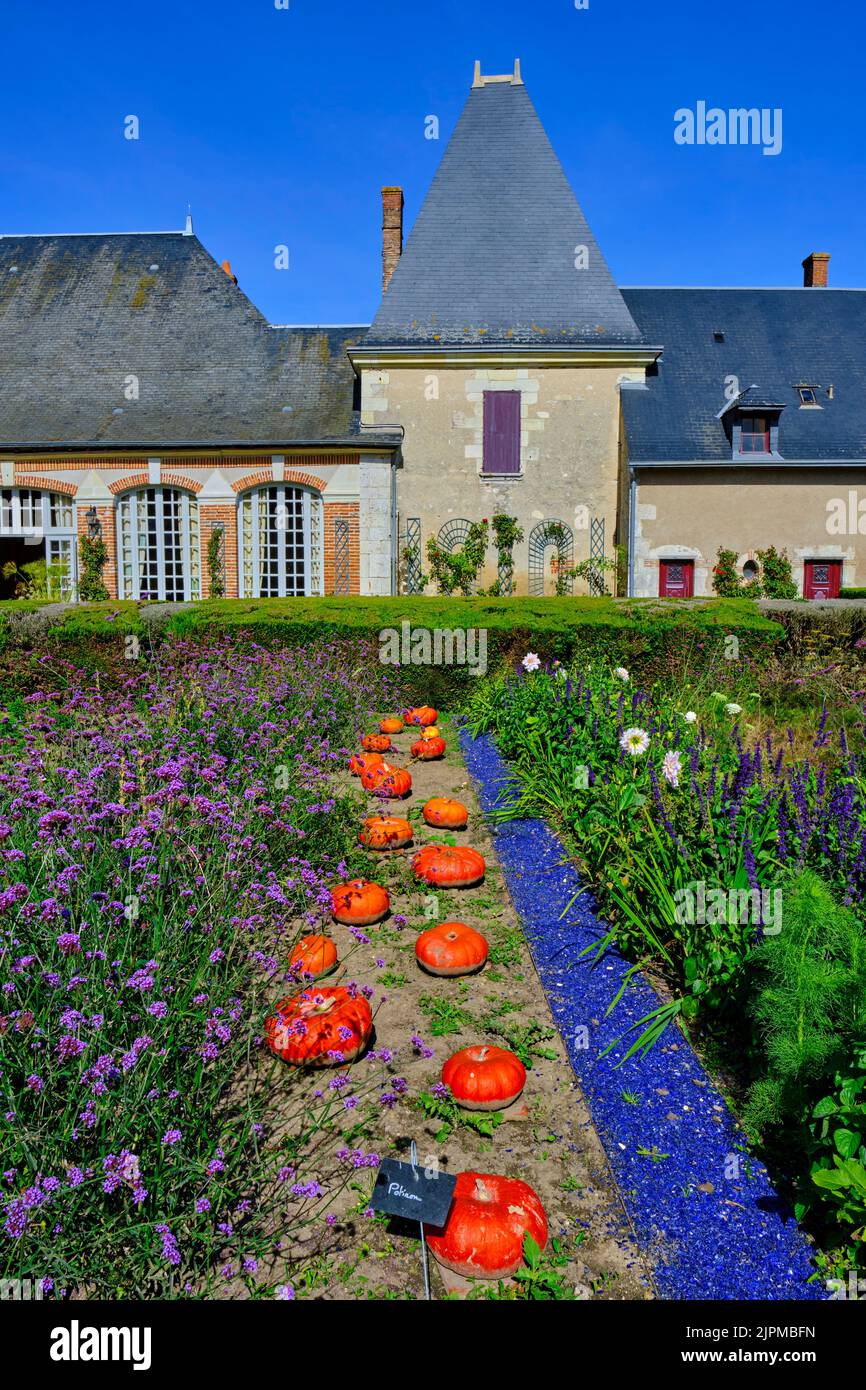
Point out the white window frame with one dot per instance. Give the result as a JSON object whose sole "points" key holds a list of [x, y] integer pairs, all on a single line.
{"points": [[35, 518], [129, 551], [312, 534]]}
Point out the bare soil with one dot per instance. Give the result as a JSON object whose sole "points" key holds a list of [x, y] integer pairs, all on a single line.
{"points": [[546, 1138]]}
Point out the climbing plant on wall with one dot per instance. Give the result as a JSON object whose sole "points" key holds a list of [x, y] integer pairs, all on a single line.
{"points": [[507, 533], [93, 553], [459, 568]]}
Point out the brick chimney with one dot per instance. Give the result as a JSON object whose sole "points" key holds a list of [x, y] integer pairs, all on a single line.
{"points": [[815, 270], [392, 232]]}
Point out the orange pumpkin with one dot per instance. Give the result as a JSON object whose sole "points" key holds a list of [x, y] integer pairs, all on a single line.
{"points": [[360, 762], [489, 1217], [421, 714], [448, 866], [446, 814], [386, 780], [320, 1027], [359, 903], [428, 748], [451, 949], [385, 832], [314, 955], [484, 1078], [392, 725], [376, 743]]}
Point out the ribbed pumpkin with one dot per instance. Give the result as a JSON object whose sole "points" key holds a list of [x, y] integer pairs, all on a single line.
{"points": [[386, 780], [446, 814], [484, 1078], [360, 762], [489, 1217], [385, 832], [449, 866], [376, 743], [314, 955], [307, 1027], [391, 725], [421, 714], [451, 949], [359, 903], [428, 748]]}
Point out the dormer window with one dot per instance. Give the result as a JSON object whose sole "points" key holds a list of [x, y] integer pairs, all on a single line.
{"points": [[755, 436]]}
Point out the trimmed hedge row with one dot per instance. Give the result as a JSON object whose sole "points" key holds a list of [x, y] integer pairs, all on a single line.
{"points": [[650, 635]]}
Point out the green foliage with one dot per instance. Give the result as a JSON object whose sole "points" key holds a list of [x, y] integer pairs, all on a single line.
{"points": [[809, 1001], [459, 569], [36, 580], [216, 574], [776, 577], [838, 1127], [507, 533], [93, 553], [726, 580], [449, 1116]]}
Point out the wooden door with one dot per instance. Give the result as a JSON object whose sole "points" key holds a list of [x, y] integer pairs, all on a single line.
{"points": [[822, 578], [676, 578]]}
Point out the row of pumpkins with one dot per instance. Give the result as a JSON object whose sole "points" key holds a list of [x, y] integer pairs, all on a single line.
{"points": [[331, 1026]]}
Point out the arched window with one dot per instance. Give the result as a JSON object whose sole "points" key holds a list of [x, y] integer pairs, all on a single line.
{"points": [[280, 542], [158, 544], [38, 526]]}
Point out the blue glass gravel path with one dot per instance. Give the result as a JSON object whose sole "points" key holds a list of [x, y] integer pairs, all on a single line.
{"points": [[706, 1214]]}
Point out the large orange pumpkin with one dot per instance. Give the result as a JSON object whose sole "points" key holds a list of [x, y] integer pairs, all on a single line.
{"points": [[421, 714], [449, 866], [320, 1027], [451, 949], [360, 762], [314, 955], [386, 780], [359, 903], [428, 748], [489, 1217], [484, 1078], [376, 743], [446, 814], [385, 832], [392, 725]]}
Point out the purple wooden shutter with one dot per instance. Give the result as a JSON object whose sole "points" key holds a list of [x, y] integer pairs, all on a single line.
{"points": [[501, 432]]}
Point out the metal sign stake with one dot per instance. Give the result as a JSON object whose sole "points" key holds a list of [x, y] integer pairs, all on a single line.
{"points": [[413, 1154]]}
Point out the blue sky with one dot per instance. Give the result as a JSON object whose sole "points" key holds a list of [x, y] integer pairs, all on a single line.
{"points": [[280, 126]]}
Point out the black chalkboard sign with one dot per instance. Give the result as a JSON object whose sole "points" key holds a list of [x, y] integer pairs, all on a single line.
{"points": [[408, 1190]]}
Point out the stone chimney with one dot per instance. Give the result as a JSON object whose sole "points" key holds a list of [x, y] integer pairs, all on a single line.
{"points": [[815, 270], [392, 232]]}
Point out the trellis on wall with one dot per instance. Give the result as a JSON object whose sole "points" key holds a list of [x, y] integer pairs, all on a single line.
{"points": [[453, 535], [216, 559], [596, 555], [412, 556], [342, 555], [543, 535]]}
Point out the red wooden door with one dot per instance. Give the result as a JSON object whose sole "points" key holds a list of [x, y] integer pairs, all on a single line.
{"points": [[822, 578], [676, 578]]}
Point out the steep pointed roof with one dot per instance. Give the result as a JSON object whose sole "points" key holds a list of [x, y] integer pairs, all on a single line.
{"points": [[491, 258]]}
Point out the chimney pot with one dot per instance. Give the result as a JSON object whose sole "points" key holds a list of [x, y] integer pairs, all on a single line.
{"points": [[815, 270], [227, 267], [392, 232]]}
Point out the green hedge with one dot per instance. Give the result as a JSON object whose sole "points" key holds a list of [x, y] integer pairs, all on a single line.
{"points": [[644, 634], [852, 593]]}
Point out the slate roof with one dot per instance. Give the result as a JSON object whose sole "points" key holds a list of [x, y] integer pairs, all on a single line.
{"points": [[491, 257], [79, 314], [778, 339]]}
